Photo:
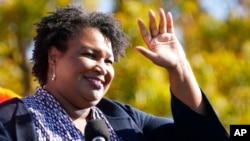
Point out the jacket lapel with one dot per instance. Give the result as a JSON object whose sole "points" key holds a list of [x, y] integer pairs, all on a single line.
{"points": [[121, 121]]}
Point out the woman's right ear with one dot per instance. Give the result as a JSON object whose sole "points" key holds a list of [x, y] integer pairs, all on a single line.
{"points": [[53, 53]]}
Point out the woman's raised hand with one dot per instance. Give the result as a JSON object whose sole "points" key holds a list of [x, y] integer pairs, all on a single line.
{"points": [[165, 50], [163, 47]]}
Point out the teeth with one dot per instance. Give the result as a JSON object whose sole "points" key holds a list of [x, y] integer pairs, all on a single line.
{"points": [[95, 80]]}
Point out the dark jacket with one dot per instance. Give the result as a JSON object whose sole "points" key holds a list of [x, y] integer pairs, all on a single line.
{"points": [[128, 122], [15, 122]]}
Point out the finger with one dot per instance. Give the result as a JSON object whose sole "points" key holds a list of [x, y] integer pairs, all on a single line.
{"points": [[146, 52], [144, 33], [152, 24], [170, 24], [162, 24]]}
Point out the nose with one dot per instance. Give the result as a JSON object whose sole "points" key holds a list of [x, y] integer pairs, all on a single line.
{"points": [[100, 67]]}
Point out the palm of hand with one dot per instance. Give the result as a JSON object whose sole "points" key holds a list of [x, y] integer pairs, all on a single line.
{"points": [[163, 47], [166, 51]]}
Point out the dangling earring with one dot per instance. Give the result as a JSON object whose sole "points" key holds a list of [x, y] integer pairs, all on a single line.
{"points": [[54, 73]]}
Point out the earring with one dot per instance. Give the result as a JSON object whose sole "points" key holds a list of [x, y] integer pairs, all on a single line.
{"points": [[54, 73]]}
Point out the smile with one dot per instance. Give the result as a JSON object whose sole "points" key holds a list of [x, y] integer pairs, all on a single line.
{"points": [[95, 82]]}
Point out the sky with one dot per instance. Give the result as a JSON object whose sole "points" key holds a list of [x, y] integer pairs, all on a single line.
{"points": [[218, 8]]}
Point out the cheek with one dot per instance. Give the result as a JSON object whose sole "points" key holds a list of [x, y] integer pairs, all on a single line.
{"points": [[72, 66], [65, 71], [111, 73], [82, 64]]}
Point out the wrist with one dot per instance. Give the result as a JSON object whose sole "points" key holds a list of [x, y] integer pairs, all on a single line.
{"points": [[179, 72]]}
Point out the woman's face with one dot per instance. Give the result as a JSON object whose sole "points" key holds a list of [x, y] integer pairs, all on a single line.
{"points": [[85, 71]]}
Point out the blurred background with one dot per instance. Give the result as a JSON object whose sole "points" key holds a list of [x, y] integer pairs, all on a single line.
{"points": [[214, 33]]}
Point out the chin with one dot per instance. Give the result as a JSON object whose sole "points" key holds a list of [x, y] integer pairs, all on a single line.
{"points": [[94, 102], [94, 97], [97, 95]]}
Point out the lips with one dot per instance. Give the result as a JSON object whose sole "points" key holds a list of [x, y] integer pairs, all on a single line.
{"points": [[95, 82]]}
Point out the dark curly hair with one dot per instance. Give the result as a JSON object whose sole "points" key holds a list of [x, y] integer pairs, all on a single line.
{"points": [[66, 23]]}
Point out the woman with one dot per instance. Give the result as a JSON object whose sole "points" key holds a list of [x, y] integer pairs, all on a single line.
{"points": [[73, 62]]}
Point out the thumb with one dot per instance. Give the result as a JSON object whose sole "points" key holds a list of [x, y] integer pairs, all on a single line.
{"points": [[146, 52]]}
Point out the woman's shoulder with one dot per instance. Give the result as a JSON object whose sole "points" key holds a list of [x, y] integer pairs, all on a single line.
{"points": [[113, 108]]}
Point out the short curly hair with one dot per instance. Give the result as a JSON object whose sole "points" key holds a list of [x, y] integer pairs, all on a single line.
{"points": [[58, 27]]}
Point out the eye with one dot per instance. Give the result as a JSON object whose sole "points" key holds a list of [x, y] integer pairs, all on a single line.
{"points": [[109, 61], [89, 55]]}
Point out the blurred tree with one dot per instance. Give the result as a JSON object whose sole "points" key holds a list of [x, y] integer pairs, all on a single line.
{"points": [[218, 50], [16, 26]]}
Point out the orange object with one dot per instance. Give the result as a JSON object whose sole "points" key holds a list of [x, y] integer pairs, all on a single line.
{"points": [[6, 94]]}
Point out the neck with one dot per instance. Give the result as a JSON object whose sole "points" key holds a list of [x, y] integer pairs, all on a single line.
{"points": [[79, 113], [72, 110], [79, 116]]}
